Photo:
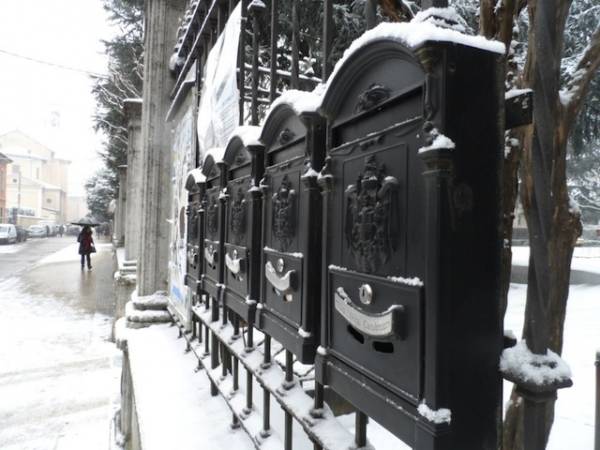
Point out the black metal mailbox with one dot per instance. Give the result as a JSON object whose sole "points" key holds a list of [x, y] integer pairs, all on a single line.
{"points": [[411, 333], [195, 185], [212, 250], [291, 257], [244, 162]]}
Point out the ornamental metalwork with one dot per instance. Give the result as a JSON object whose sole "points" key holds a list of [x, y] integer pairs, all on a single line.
{"points": [[372, 217], [212, 216], [238, 216], [284, 214], [373, 96]]}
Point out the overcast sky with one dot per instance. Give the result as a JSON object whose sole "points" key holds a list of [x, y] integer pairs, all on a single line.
{"points": [[64, 32]]}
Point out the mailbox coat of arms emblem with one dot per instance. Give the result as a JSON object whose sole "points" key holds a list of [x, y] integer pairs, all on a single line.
{"points": [[238, 216], [372, 217], [284, 221], [212, 216]]}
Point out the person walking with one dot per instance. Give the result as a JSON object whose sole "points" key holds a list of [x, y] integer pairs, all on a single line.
{"points": [[86, 246]]}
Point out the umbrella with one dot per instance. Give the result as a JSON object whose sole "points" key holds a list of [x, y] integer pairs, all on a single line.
{"points": [[89, 221]]}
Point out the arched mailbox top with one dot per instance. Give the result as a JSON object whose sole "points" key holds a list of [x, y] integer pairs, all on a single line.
{"points": [[194, 179], [379, 72], [282, 126], [242, 143], [210, 164]]}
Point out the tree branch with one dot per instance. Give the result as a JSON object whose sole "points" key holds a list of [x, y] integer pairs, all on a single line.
{"points": [[576, 89]]}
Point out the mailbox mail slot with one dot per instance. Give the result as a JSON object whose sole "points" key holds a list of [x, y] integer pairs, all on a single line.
{"points": [[195, 185], [242, 249], [410, 215], [212, 249], [291, 230]]}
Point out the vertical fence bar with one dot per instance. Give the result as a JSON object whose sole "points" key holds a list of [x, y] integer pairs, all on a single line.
{"points": [[249, 348], [242, 59], [266, 394], [597, 427], [318, 407], [289, 382], [236, 368], [289, 369], [327, 35], [199, 323], [221, 16], [371, 13], [274, 35], [206, 341], [194, 329], [214, 344], [295, 81], [360, 437], [255, 33]]}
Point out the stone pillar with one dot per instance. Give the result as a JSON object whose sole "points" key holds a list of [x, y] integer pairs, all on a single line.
{"points": [[162, 20], [121, 211], [133, 111]]}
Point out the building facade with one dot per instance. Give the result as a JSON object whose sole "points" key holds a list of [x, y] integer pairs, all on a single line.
{"points": [[37, 181], [4, 161]]}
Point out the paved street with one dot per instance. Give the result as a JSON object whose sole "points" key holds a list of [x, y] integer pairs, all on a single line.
{"points": [[59, 373]]}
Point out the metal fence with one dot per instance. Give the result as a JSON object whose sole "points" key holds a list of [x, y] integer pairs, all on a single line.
{"points": [[251, 355]]}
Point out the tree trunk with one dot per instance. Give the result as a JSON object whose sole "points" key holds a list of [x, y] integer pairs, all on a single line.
{"points": [[553, 226]]}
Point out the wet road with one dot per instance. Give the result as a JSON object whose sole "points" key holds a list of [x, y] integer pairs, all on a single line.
{"points": [[16, 257], [59, 374]]}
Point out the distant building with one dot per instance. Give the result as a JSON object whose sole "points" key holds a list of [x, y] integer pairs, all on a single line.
{"points": [[4, 160], [76, 207], [36, 179]]}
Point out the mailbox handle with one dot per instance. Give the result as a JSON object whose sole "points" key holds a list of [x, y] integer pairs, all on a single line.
{"points": [[193, 257], [234, 264], [377, 325], [211, 257], [283, 283]]}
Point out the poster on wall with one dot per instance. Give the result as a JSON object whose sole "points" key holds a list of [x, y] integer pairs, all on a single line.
{"points": [[218, 112], [180, 164]]}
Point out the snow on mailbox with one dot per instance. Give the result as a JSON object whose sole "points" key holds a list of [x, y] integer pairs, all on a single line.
{"points": [[244, 168], [195, 185], [290, 270], [411, 333], [212, 250]]}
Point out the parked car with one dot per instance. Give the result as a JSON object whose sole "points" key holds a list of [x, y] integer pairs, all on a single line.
{"points": [[22, 234], [73, 230], [8, 233], [51, 227], [37, 231]]}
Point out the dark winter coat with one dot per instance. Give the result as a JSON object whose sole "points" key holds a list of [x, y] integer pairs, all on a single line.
{"points": [[86, 242]]}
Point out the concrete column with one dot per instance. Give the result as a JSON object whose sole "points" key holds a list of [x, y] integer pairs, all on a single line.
{"points": [[162, 20], [133, 232], [121, 210]]}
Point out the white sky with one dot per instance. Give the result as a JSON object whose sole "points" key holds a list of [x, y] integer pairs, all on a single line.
{"points": [[66, 32]]}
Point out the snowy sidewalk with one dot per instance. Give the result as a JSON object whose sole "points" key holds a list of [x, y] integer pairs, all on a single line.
{"points": [[59, 374], [174, 405]]}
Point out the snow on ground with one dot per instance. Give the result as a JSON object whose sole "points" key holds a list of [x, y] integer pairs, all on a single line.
{"points": [[574, 423], [183, 404], [11, 248], [69, 254], [59, 374], [586, 259]]}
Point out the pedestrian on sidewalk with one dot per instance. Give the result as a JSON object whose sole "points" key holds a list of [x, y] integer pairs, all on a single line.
{"points": [[86, 246]]}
